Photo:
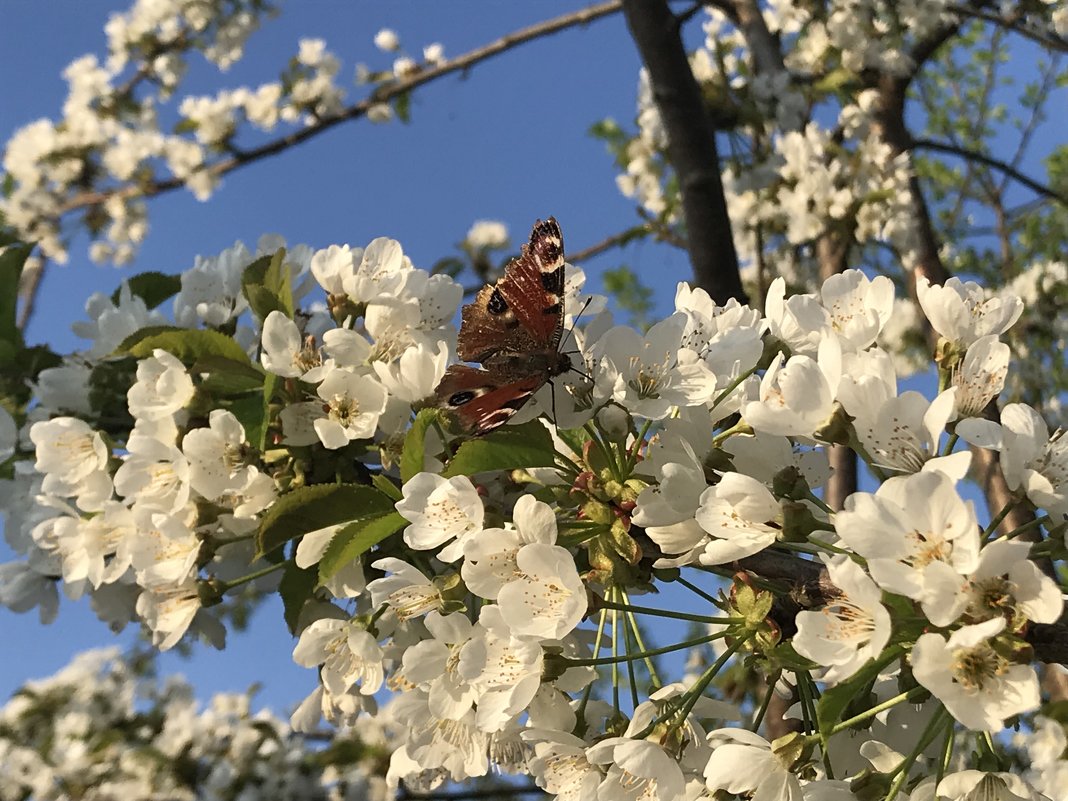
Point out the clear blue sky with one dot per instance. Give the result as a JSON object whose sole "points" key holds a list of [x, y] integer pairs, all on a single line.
{"points": [[508, 141]]}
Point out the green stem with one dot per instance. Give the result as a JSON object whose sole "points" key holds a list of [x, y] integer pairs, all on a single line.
{"points": [[645, 654], [237, 582], [951, 443], [947, 754], [1036, 523], [766, 702], [633, 621], [733, 385], [630, 664], [694, 692], [695, 589], [854, 443], [632, 455], [605, 451], [902, 770], [999, 517], [615, 662], [816, 499], [580, 713], [646, 610], [875, 710]]}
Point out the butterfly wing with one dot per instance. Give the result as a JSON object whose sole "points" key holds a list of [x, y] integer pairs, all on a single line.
{"points": [[533, 285], [480, 400], [523, 311]]}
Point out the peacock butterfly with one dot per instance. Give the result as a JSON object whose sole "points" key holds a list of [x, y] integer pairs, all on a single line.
{"points": [[513, 329]]}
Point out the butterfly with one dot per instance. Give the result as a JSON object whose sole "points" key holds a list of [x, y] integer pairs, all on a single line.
{"points": [[513, 329]]}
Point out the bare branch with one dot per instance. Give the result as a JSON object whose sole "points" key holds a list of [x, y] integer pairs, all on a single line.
{"points": [[383, 94], [975, 155], [1013, 22], [691, 147]]}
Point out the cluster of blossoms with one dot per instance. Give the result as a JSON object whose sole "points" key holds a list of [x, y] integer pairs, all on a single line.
{"points": [[96, 730], [116, 137], [270, 440], [821, 162]]}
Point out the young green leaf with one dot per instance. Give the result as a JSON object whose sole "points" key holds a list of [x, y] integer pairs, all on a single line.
{"points": [[356, 538], [188, 344], [311, 508], [528, 445]]}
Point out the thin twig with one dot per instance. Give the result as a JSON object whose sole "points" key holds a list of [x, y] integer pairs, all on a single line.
{"points": [[990, 161]]}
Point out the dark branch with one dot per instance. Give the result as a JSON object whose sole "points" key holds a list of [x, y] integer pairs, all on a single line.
{"points": [[1012, 22], [990, 161], [691, 147]]}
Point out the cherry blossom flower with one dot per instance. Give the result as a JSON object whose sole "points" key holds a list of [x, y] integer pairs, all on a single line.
{"points": [[978, 686], [962, 312], [915, 532], [738, 513], [441, 512], [348, 653], [636, 769], [797, 396], [649, 375], [744, 762], [848, 631], [1032, 461], [162, 389], [408, 592]]}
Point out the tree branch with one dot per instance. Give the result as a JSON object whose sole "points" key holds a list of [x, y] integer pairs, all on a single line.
{"points": [[990, 161], [691, 147], [382, 94], [1011, 22]]}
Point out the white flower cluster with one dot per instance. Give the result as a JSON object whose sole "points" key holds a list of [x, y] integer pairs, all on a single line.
{"points": [[115, 138], [488, 583], [98, 727]]}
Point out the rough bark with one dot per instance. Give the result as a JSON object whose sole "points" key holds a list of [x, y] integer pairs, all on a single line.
{"points": [[691, 147]]}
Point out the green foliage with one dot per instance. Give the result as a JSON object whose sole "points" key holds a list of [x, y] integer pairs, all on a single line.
{"points": [[508, 448], [152, 287], [189, 345], [414, 453], [355, 539], [311, 508], [295, 588], [266, 284]]}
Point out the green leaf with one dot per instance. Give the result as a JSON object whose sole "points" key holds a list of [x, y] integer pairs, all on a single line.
{"points": [[414, 452], [248, 410], [12, 260], [528, 445], [270, 387], [266, 285], [226, 377], [296, 588], [152, 287], [403, 106], [311, 508], [834, 700], [357, 538], [387, 487], [188, 344]]}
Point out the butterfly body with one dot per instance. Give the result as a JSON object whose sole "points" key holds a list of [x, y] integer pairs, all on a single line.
{"points": [[513, 328]]}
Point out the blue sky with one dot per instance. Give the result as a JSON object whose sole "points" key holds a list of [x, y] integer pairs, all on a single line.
{"points": [[507, 141]]}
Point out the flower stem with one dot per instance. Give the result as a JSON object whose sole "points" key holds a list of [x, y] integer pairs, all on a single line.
{"points": [[647, 610], [237, 582], [766, 702], [875, 710], [902, 770], [608, 660], [641, 645], [999, 517]]}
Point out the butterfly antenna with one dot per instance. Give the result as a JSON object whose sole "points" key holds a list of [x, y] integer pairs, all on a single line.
{"points": [[571, 332]]}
